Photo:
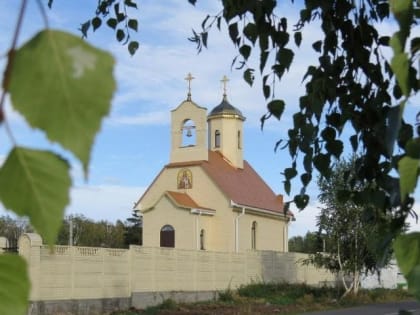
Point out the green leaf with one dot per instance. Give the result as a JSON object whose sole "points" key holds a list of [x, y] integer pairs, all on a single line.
{"points": [[120, 35], [301, 201], [203, 24], [84, 28], [290, 173], [415, 45], [384, 40], [96, 23], [287, 186], [317, 46], [412, 148], [112, 23], [14, 285], [263, 60], [245, 51], [276, 107], [413, 281], [354, 142], [133, 24], [62, 75], [204, 36], [335, 147], [408, 169], [132, 47], [403, 12], [397, 43], [307, 163], [328, 133], [266, 91], [400, 66], [407, 252], [305, 178], [322, 163], [130, 3], [298, 38], [36, 184], [251, 32], [233, 32], [280, 38], [249, 76], [283, 23], [286, 57], [121, 17]]}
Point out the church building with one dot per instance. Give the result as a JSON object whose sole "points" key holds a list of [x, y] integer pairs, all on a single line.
{"points": [[208, 197]]}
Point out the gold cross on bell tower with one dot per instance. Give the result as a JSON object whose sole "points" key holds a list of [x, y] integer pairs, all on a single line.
{"points": [[189, 78], [224, 80]]}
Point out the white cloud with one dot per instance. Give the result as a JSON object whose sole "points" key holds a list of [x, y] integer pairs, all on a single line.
{"points": [[305, 220], [155, 75], [100, 202], [109, 202], [147, 118]]}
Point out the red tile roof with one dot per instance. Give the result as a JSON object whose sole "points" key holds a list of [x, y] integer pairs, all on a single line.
{"points": [[184, 200], [243, 186]]}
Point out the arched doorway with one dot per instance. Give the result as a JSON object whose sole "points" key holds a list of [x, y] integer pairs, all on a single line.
{"points": [[167, 236]]}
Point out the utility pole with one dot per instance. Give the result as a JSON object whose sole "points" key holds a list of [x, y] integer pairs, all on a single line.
{"points": [[71, 231]]}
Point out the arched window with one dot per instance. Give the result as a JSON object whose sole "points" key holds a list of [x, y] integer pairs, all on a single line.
{"points": [[239, 140], [202, 239], [167, 236], [217, 139], [188, 133], [254, 235]]}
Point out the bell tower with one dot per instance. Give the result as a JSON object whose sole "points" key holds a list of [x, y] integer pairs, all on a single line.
{"points": [[188, 130], [225, 123]]}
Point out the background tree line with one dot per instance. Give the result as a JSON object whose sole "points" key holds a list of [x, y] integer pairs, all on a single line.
{"points": [[86, 232]]}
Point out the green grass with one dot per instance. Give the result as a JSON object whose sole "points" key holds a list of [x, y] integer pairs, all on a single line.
{"points": [[283, 293], [260, 298]]}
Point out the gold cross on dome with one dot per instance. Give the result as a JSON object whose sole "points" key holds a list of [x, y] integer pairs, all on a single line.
{"points": [[224, 80], [189, 78]]}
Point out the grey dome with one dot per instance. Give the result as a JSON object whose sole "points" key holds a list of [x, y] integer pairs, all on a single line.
{"points": [[225, 109]]}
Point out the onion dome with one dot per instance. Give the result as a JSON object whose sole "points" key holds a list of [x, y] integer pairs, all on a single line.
{"points": [[225, 109]]}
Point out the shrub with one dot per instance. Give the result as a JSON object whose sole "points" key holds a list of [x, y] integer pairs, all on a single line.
{"points": [[226, 295]]}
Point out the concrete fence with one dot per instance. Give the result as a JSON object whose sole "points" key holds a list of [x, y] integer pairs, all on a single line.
{"points": [[90, 280]]}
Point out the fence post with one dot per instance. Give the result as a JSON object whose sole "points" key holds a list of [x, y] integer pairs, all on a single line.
{"points": [[3, 244], [30, 248]]}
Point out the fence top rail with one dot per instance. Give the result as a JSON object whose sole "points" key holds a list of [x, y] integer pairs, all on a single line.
{"points": [[63, 250]]}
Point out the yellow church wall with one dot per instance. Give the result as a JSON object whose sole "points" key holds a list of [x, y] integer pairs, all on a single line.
{"points": [[166, 213], [209, 195], [166, 181], [269, 233], [219, 228]]}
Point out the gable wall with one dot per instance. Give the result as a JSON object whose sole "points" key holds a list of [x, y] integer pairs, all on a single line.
{"points": [[219, 228], [166, 213]]}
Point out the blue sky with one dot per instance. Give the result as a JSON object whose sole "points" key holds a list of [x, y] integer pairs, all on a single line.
{"points": [[134, 142]]}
